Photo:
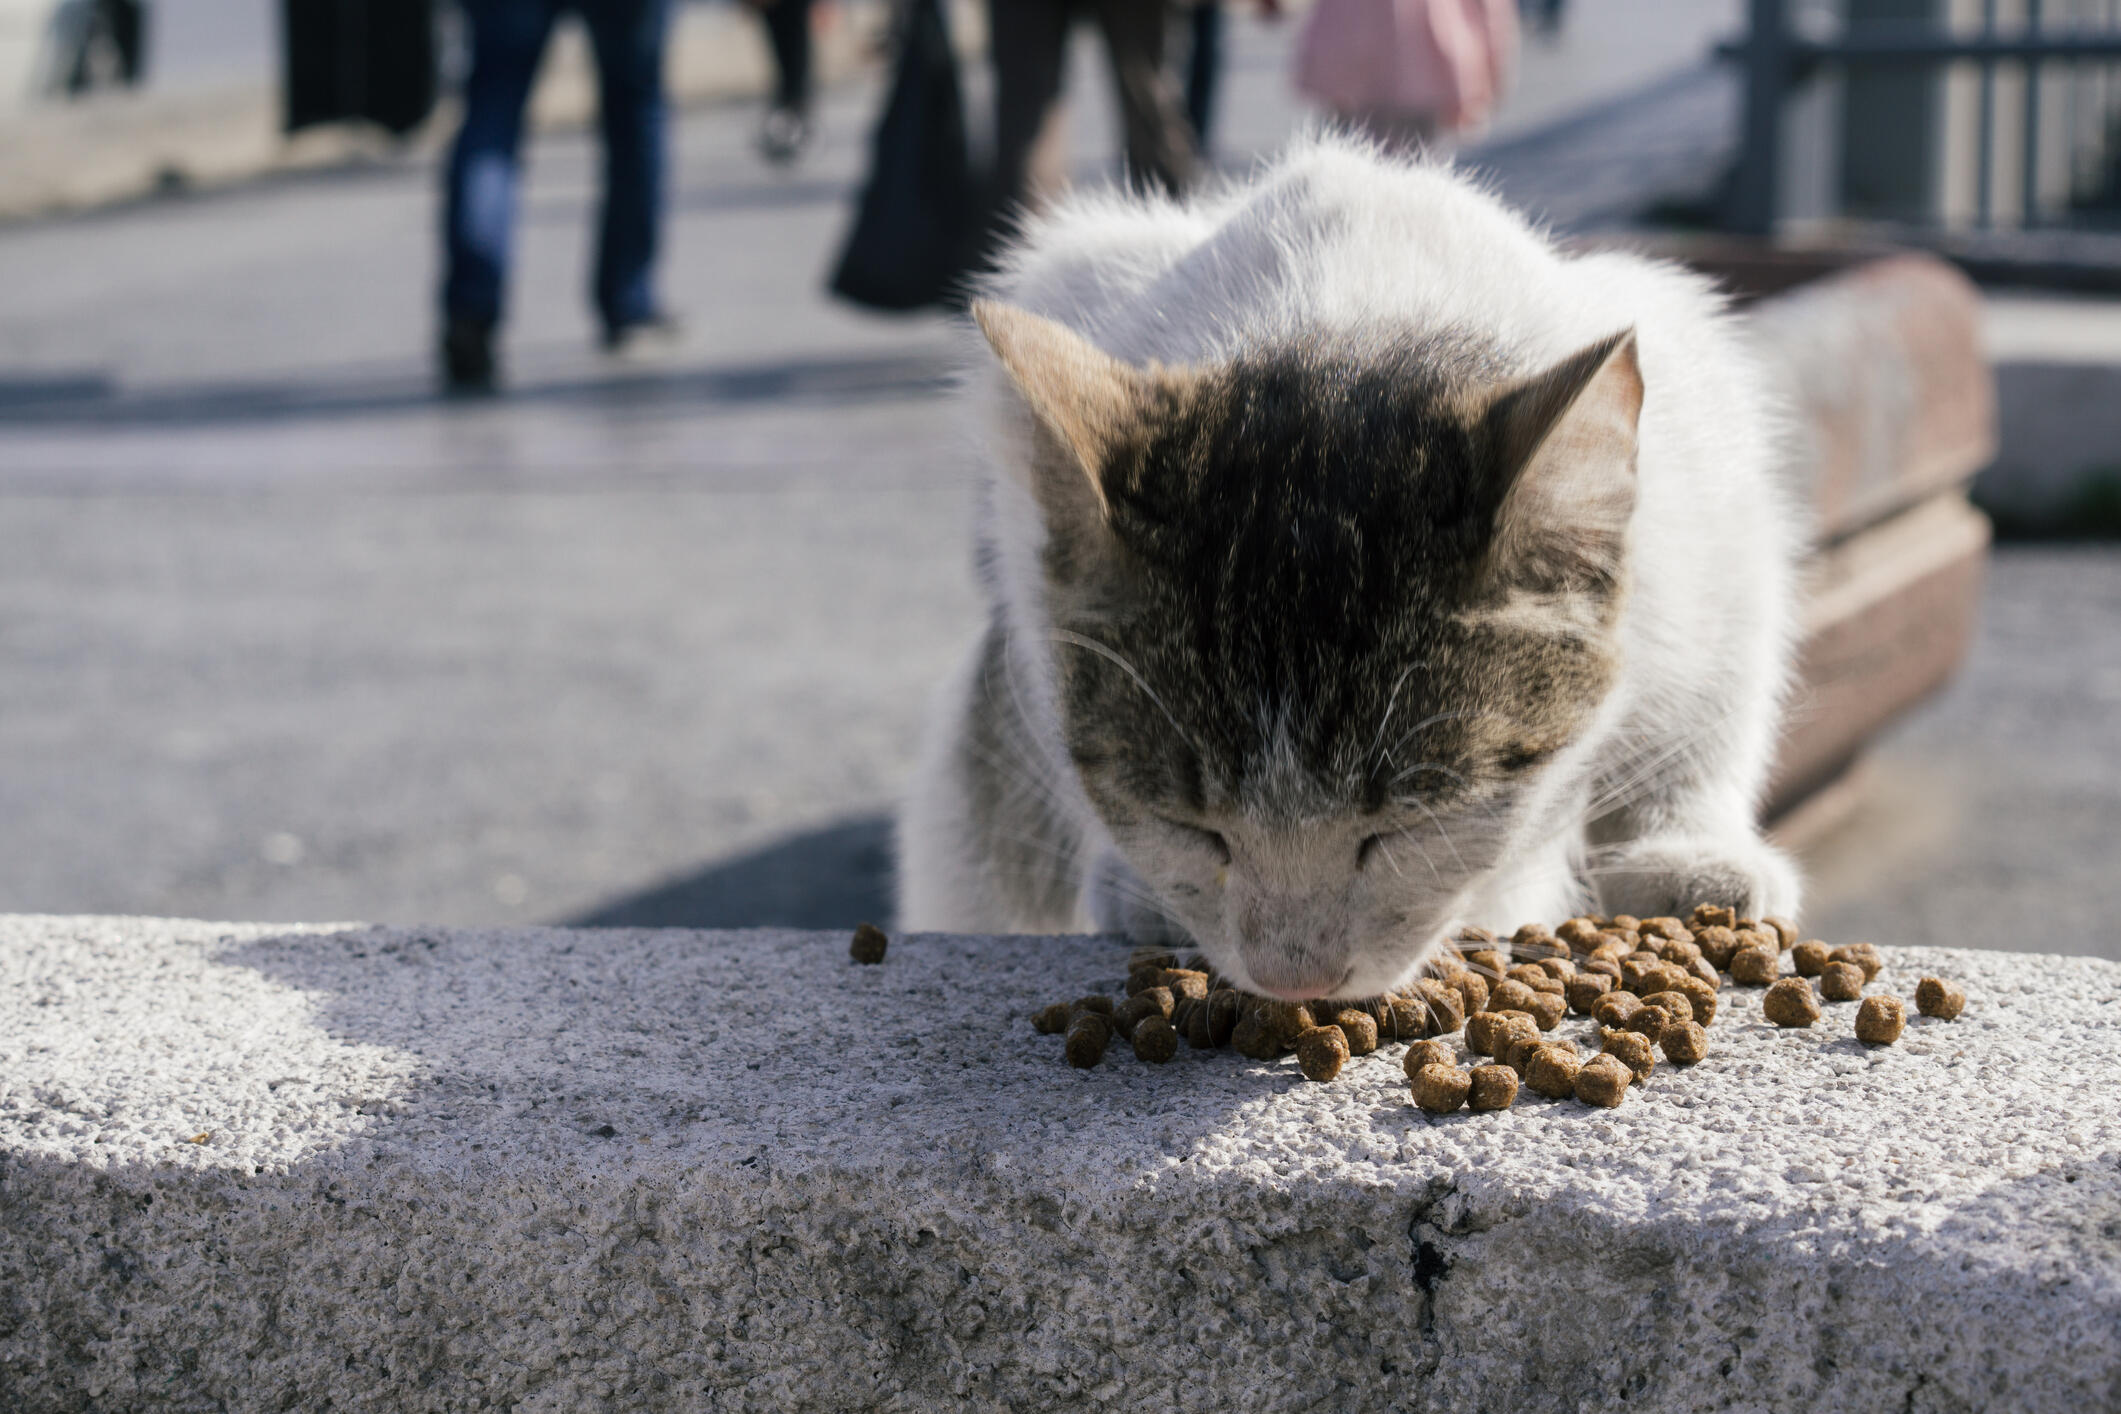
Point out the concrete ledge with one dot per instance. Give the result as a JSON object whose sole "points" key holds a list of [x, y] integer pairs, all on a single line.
{"points": [[249, 1167]]}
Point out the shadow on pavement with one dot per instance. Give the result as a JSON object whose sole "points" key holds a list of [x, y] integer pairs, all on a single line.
{"points": [[96, 401], [831, 878]]}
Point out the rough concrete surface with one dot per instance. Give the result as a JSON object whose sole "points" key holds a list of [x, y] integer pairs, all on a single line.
{"points": [[262, 1167]]}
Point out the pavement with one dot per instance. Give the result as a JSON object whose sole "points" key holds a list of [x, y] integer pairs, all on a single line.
{"points": [[289, 638], [249, 1168]]}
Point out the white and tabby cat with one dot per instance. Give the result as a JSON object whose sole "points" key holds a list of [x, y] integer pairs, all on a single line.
{"points": [[1360, 566]]}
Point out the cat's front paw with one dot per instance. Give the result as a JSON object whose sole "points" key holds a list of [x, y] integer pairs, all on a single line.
{"points": [[1667, 876]]}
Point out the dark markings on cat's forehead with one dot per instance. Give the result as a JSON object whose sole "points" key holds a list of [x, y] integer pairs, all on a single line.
{"points": [[1304, 528]]}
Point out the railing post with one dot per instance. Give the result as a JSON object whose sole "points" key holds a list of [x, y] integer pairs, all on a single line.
{"points": [[1767, 76]]}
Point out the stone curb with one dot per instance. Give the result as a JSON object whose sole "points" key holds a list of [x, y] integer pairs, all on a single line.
{"points": [[260, 1167]]}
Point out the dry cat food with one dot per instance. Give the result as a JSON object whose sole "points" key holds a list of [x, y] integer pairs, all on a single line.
{"points": [[1645, 985], [1936, 997], [1790, 1003], [1880, 1020], [869, 944]]}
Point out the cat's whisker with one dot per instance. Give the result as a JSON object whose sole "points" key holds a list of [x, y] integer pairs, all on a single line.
{"points": [[1077, 640], [1391, 704]]}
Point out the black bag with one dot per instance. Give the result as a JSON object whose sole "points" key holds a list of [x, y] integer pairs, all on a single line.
{"points": [[366, 59], [913, 228]]}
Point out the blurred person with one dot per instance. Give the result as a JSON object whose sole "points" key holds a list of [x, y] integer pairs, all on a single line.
{"points": [[1205, 25], [1408, 73], [786, 130], [508, 39], [1029, 42]]}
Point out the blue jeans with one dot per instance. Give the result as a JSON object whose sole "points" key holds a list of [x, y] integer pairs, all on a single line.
{"points": [[507, 40]]}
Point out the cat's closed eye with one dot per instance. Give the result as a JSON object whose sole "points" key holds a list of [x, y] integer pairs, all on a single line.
{"points": [[1211, 840]]}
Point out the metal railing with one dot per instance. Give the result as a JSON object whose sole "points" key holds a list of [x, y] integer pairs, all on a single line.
{"points": [[1777, 61]]}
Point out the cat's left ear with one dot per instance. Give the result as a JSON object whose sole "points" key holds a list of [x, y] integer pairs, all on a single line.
{"points": [[1563, 446]]}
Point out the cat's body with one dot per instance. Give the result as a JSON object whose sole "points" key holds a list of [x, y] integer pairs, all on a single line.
{"points": [[1374, 584]]}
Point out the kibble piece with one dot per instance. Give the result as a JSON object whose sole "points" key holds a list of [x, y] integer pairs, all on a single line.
{"points": [[1409, 1021], [1579, 932], [1790, 1003], [1668, 928], [1440, 1089], [1864, 956], [1811, 958], [1130, 1013], [1684, 1043], [1647, 976], [1529, 934], [1704, 971], [1286, 1021], [1552, 1072], [1184, 982], [1492, 1087], [1936, 997], [1321, 1052], [1222, 1015], [1447, 1009], [1529, 973], [1841, 982], [1756, 967], [1880, 1020], [1360, 1029], [1425, 1053], [1475, 935], [1603, 1081], [1784, 930], [1649, 1022], [1511, 996], [1472, 991], [1199, 1028], [1680, 954], [1252, 1039], [1157, 958], [1520, 1032], [1098, 1005], [1701, 996], [1548, 1010], [1584, 990], [1633, 1050], [869, 944], [1676, 1005], [1627, 922], [1709, 915], [1604, 967], [1155, 1039], [1561, 969], [1088, 1035], [1614, 1009], [1051, 1020], [1488, 963], [1485, 1029], [1717, 944]]}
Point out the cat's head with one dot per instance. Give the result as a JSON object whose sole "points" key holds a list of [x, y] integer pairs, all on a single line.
{"points": [[1321, 620]]}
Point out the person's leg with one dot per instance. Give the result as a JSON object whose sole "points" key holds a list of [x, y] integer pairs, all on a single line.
{"points": [[1159, 141], [1204, 66], [786, 130], [507, 38], [627, 36], [788, 27], [1029, 40]]}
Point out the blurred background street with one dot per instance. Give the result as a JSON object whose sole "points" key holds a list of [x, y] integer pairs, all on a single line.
{"points": [[284, 636]]}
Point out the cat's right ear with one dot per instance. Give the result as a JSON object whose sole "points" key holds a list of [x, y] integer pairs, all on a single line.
{"points": [[1084, 399]]}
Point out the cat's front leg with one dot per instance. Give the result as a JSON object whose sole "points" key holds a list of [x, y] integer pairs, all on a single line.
{"points": [[1667, 874], [1119, 902]]}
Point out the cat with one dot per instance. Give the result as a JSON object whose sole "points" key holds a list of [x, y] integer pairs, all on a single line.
{"points": [[1360, 566]]}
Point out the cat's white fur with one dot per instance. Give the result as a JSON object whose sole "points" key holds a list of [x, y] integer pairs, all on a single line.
{"points": [[1334, 237]]}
